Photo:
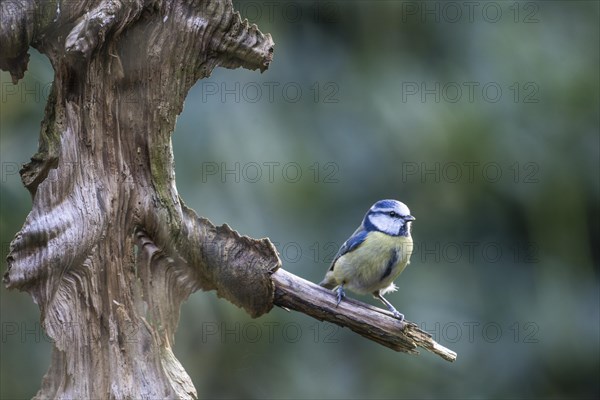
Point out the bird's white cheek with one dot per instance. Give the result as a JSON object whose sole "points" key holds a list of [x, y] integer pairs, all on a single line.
{"points": [[385, 224]]}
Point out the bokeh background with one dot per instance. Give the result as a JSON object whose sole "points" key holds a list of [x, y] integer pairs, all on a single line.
{"points": [[483, 117]]}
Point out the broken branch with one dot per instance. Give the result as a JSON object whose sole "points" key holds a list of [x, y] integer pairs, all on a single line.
{"points": [[373, 323]]}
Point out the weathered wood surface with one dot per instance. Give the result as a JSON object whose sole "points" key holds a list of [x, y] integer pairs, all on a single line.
{"points": [[370, 322], [109, 250]]}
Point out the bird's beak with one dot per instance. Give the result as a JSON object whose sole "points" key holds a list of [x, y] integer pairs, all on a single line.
{"points": [[409, 218]]}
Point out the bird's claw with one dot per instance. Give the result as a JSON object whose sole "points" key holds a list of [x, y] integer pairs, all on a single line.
{"points": [[340, 295], [398, 315]]}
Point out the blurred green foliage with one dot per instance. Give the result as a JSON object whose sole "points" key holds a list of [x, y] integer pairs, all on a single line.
{"points": [[483, 117]]}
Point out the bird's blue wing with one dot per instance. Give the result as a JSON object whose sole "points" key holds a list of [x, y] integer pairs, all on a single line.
{"points": [[352, 243]]}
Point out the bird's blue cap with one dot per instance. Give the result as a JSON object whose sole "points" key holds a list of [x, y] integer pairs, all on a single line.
{"points": [[392, 205]]}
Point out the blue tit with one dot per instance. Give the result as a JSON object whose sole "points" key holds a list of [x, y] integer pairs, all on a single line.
{"points": [[375, 254]]}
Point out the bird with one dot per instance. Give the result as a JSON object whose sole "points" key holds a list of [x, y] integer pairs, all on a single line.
{"points": [[376, 253]]}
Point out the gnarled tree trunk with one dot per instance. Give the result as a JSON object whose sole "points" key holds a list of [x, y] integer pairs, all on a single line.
{"points": [[109, 250]]}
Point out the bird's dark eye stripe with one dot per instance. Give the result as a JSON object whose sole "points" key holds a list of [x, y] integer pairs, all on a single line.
{"points": [[393, 213], [390, 213]]}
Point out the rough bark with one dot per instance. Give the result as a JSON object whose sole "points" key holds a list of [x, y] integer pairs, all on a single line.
{"points": [[373, 323], [109, 250]]}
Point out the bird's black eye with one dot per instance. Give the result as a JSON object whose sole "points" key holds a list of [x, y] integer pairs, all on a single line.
{"points": [[392, 214]]}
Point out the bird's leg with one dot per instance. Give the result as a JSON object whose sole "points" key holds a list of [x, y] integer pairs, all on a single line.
{"points": [[389, 305], [340, 294]]}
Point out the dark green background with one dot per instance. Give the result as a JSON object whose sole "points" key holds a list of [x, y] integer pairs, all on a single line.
{"points": [[504, 186]]}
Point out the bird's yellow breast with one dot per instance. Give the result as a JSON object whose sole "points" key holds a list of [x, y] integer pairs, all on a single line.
{"points": [[374, 264]]}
